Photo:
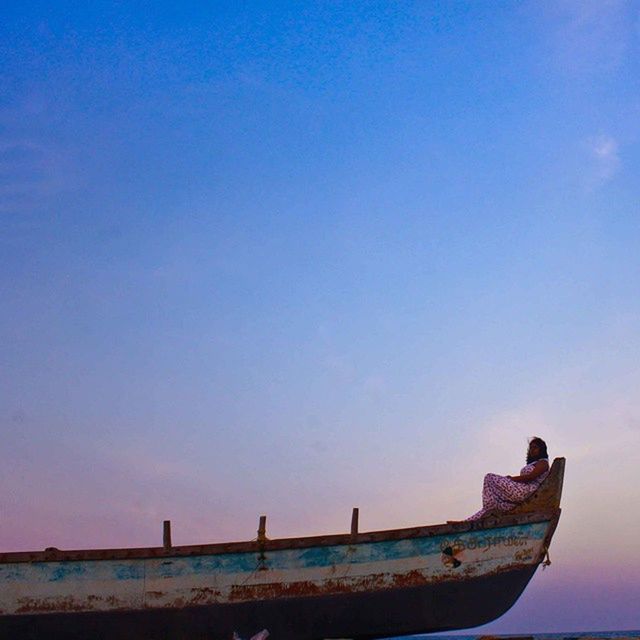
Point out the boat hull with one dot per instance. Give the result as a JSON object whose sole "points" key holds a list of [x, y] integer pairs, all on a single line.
{"points": [[384, 584], [419, 609]]}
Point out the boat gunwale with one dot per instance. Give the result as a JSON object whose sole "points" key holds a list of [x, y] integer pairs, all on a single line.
{"points": [[256, 546]]}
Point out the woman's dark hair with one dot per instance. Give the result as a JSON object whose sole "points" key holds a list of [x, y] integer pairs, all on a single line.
{"points": [[542, 450]]}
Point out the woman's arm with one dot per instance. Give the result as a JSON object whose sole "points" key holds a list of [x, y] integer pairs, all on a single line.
{"points": [[541, 466]]}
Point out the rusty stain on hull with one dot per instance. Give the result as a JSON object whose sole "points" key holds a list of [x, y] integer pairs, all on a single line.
{"points": [[67, 604]]}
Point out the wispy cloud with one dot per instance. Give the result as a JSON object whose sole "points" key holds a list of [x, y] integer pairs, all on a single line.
{"points": [[605, 156]]}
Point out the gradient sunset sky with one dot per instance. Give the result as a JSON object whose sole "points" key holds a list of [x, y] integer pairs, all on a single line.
{"points": [[290, 258]]}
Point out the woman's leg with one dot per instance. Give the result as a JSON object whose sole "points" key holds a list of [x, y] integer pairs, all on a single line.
{"points": [[495, 493]]}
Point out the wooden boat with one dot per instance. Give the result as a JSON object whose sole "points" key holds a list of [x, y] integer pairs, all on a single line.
{"points": [[355, 585]]}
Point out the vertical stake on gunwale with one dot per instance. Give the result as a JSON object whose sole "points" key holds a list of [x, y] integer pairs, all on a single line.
{"points": [[354, 522], [166, 534], [262, 529]]}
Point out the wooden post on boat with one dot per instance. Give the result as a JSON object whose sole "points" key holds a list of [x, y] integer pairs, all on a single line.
{"points": [[262, 529], [166, 534], [354, 522]]}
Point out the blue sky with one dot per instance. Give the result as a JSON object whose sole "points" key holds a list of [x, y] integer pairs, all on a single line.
{"points": [[298, 257]]}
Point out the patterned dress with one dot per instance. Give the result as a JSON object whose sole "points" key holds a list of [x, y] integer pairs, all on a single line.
{"points": [[500, 493]]}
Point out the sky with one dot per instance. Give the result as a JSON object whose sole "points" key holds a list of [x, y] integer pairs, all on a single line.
{"points": [[289, 258]]}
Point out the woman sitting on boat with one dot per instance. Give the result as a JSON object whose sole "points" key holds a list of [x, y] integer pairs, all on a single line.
{"points": [[503, 493]]}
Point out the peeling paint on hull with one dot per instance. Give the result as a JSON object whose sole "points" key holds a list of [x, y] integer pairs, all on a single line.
{"points": [[173, 582]]}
